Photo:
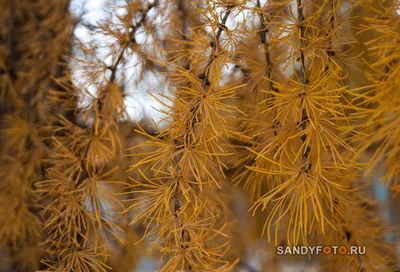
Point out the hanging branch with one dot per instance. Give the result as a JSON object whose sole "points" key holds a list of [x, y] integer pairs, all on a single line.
{"points": [[79, 186], [188, 230]]}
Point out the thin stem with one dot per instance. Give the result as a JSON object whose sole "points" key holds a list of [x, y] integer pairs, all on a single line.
{"points": [[214, 43], [118, 61], [332, 20], [263, 37], [304, 82]]}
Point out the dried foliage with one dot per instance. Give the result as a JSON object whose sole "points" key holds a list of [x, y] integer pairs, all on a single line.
{"points": [[384, 99], [28, 60], [270, 113]]}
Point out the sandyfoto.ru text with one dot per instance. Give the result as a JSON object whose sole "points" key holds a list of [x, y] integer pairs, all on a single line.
{"points": [[317, 250]]}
